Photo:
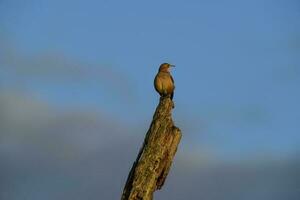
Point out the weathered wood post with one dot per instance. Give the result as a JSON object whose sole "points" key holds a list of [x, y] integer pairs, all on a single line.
{"points": [[155, 157]]}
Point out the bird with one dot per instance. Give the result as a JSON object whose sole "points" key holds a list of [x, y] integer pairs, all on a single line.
{"points": [[164, 82]]}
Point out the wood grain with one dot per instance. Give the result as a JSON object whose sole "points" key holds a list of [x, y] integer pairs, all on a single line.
{"points": [[155, 157]]}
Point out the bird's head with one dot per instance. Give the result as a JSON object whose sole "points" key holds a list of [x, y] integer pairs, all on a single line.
{"points": [[165, 67]]}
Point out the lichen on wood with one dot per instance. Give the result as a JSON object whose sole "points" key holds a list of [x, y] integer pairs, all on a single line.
{"points": [[155, 157]]}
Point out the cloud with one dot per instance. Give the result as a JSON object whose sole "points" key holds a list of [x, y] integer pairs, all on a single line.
{"points": [[27, 119], [47, 148], [47, 153], [251, 180], [58, 69]]}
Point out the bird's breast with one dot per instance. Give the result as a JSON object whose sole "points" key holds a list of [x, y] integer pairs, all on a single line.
{"points": [[163, 83]]}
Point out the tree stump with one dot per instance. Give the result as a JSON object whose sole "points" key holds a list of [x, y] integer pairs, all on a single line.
{"points": [[154, 160]]}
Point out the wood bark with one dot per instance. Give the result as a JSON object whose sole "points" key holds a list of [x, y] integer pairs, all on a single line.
{"points": [[155, 157]]}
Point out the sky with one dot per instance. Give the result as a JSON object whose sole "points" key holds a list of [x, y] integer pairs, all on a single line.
{"points": [[76, 82]]}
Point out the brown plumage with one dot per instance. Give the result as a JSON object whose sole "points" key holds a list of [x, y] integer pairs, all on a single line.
{"points": [[163, 82]]}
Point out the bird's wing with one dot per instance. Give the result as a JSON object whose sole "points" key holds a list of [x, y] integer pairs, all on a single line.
{"points": [[157, 84], [172, 81], [172, 94]]}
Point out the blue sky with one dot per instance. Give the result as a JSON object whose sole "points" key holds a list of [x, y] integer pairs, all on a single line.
{"points": [[237, 65], [77, 96]]}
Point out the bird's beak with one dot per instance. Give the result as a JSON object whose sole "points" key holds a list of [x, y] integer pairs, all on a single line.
{"points": [[172, 65]]}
